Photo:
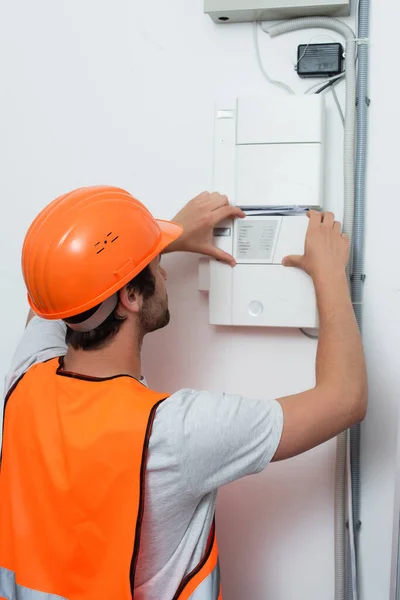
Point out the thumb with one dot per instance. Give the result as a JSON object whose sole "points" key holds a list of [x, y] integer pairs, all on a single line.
{"points": [[293, 261]]}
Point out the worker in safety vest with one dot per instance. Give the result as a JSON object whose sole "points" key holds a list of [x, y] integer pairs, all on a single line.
{"points": [[107, 488]]}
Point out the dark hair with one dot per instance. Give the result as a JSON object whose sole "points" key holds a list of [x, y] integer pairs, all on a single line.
{"points": [[143, 283]]}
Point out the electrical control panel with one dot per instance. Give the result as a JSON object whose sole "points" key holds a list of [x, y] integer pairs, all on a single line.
{"points": [[269, 151], [259, 291], [268, 159], [231, 11]]}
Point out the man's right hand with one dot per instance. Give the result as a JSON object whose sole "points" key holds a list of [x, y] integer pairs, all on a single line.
{"points": [[339, 398], [327, 249]]}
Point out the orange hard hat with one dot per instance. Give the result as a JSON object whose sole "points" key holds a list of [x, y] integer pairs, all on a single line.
{"points": [[85, 246]]}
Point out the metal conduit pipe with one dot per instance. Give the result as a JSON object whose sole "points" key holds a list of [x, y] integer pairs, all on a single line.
{"points": [[357, 275]]}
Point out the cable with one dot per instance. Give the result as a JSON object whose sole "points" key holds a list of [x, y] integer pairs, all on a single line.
{"points": [[329, 84], [280, 84], [309, 335], [334, 94], [331, 79]]}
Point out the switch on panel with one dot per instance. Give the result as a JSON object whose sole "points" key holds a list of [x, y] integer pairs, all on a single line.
{"points": [[268, 159]]}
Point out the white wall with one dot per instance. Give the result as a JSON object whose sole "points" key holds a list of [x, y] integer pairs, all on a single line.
{"points": [[123, 93], [382, 302]]}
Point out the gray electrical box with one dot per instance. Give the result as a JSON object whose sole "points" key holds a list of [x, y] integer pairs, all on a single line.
{"points": [[235, 11]]}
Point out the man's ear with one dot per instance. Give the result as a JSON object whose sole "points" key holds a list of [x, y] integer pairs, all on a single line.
{"points": [[130, 300]]}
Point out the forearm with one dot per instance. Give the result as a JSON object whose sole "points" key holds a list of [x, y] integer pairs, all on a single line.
{"points": [[340, 358]]}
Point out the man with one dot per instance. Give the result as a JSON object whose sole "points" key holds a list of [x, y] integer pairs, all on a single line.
{"points": [[107, 489]]}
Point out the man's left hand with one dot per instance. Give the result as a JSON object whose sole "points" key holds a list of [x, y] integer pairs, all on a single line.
{"points": [[198, 219]]}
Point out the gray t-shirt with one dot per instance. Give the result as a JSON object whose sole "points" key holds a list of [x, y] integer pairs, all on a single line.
{"points": [[199, 442]]}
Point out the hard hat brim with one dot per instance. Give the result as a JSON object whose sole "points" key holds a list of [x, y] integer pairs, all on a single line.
{"points": [[169, 233]]}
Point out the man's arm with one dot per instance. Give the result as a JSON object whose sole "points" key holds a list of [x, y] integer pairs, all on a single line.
{"points": [[42, 340], [339, 398]]}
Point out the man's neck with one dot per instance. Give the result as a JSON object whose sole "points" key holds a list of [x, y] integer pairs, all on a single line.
{"points": [[119, 357]]}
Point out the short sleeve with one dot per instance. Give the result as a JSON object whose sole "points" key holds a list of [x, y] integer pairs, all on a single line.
{"points": [[42, 340], [221, 438]]}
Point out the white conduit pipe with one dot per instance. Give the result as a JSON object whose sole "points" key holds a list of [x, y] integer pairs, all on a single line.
{"points": [[349, 176]]}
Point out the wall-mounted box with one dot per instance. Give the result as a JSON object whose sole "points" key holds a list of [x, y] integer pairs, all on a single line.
{"points": [[231, 11], [268, 153]]}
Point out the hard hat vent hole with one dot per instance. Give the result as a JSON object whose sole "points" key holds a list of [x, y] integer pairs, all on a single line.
{"points": [[105, 242]]}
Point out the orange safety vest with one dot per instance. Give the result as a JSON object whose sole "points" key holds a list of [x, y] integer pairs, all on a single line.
{"points": [[72, 489]]}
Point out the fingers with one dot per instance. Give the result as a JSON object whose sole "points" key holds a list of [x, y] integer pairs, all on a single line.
{"points": [[219, 200], [337, 227], [214, 200], [327, 220], [315, 219], [293, 261], [226, 212], [218, 205], [220, 255]]}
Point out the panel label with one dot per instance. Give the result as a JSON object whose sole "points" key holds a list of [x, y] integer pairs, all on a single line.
{"points": [[255, 239]]}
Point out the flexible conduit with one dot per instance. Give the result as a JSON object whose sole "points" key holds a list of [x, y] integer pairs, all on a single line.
{"points": [[348, 221], [357, 279]]}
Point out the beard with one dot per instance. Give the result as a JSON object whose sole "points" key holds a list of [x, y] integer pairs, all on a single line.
{"points": [[154, 314]]}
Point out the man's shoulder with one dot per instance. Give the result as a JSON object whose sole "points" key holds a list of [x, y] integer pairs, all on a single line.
{"points": [[41, 341], [188, 397]]}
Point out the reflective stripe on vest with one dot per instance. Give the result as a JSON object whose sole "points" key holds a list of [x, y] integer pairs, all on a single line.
{"points": [[203, 583], [210, 587], [10, 590], [72, 482]]}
